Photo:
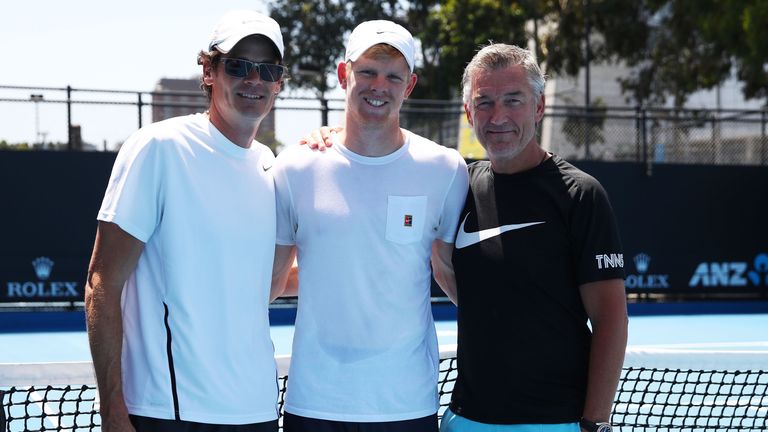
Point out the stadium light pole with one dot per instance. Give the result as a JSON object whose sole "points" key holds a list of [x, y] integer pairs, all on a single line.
{"points": [[587, 61], [37, 98]]}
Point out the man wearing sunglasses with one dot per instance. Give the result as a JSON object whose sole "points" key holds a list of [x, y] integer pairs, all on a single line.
{"points": [[178, 285], [365, 218]]}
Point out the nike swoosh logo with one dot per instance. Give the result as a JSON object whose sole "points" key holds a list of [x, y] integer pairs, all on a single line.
{"points": [[464, 238]]}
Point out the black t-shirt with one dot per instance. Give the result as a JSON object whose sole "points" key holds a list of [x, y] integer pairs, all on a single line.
{"points": [[526, 244]]}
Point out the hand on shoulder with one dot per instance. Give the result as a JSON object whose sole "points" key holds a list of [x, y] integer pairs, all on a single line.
{"points": [[320, 139]]}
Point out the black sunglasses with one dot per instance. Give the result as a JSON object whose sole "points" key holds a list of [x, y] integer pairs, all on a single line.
{"points": [[239, 68]]}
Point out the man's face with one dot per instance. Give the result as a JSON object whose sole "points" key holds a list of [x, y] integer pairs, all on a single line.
{"points": [[504, 111], [376, 87], [247, 99]]}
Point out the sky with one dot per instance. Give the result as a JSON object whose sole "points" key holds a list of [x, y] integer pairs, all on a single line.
{"points": [[101, 44], [91, 44]]}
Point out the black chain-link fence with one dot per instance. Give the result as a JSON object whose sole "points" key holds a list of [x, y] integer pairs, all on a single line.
{"points": [[658, 135], [641, 134]]}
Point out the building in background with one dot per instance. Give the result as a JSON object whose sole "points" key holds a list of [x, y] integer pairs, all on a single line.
{"points": [[175, 97], [715, 126]]}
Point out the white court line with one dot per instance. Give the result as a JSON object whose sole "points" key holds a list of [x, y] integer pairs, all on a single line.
{"points": [[707, 345], [697, 359], [17, 374]]}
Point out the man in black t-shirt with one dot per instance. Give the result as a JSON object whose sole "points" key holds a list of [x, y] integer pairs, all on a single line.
{"points": [[537, 257]]}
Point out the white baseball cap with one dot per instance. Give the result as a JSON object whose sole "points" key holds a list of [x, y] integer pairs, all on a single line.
{"points": [[238, 24], [375, 32]]}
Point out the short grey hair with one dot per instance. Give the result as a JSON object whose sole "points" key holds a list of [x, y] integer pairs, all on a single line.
{"points": [[499, 56]]}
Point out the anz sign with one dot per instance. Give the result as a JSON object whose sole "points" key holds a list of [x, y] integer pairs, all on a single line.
{"points": [[732, 274]]}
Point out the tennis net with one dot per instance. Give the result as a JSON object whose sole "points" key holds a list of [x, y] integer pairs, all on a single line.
{"points": [[692, 390], [660, 390]]}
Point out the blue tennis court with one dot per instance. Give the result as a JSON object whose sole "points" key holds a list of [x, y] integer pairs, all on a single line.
{"points": [[732, 331], [681, 372]]}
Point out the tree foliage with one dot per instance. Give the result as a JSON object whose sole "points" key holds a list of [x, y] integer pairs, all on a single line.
{"points": [[749, 45], [314, 33], [681, 55], [453, 33], [619, 22], [672, 48]]}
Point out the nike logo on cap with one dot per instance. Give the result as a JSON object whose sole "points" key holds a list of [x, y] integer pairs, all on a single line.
{"points": [[464, 238]]}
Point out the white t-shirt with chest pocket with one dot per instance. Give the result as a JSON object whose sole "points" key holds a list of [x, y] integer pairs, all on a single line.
{"points": [[365, 347]]}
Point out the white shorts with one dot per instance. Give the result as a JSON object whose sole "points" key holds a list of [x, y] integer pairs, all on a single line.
{"points": [[456, 423]]}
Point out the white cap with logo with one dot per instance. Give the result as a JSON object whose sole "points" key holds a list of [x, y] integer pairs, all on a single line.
{"points": [[238, 24], [372, 33]]}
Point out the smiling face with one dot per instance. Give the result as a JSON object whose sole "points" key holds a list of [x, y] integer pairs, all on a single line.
{"points": [[240, 103], [503, 111], [376, 85]]}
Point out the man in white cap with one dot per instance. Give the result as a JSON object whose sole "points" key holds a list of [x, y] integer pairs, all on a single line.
{"points": [[538, 236], [365, 218], [178, 285]]}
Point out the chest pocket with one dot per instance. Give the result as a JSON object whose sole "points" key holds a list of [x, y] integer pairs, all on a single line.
{"points": [[406, 218]]}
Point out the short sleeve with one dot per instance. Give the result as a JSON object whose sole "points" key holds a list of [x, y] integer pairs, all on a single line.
{"points": [[454, 202], [133, 199], [598, 250], [286, 216]]}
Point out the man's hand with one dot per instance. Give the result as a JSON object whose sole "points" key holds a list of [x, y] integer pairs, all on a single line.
{"points": [[320, 139], [116, 420]]}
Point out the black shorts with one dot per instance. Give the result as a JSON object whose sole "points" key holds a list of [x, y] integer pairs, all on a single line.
{"points": [[294, 423], [149, 424]]}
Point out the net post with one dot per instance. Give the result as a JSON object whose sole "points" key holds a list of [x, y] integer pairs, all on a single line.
{"points": [[2, 411]]}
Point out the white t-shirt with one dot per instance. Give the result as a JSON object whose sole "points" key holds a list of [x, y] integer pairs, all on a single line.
{"points": [[195, 310], [365, 347]]}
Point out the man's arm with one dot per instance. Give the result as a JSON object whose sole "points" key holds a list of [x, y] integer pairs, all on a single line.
{"points": [[606, 305], [285, 278], [442, 268], [115, 254]]}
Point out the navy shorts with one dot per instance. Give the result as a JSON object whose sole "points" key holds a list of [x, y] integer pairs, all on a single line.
{"points": [[149, 424], [294, 423]]}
